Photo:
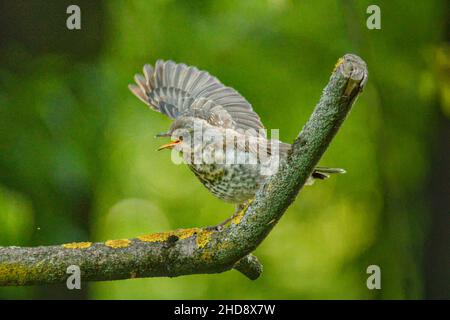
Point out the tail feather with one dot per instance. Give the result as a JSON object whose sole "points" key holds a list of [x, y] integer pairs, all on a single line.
{"points": [[323, 173]]}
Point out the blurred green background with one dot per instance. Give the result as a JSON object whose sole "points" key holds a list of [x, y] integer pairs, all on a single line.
{"points": [[78, 159]]}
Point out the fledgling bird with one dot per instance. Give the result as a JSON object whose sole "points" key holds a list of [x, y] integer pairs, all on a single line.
{"points": [[199, 103]]}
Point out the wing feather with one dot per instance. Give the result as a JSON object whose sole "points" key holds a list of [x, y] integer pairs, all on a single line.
{"points": [[176, 89]]}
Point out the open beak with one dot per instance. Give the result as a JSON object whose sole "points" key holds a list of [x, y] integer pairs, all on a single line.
{"points": [[169, 145]]}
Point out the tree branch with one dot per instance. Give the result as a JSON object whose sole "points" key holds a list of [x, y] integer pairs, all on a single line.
{"points": [[200, 250]]}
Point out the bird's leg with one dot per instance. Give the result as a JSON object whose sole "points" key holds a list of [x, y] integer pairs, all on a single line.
{"points": [[219, 227]]}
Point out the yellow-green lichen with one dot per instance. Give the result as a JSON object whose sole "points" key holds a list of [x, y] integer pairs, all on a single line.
{"points": [[203, 236], [120, 243], [15, 274], [238, 217], [77, 245], [338, 63], [269, 187], [186, 233], [163, 236], [207, 256], [12, 274]]}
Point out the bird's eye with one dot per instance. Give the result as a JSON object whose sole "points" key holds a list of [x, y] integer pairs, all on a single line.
{"points": [[180, 138]]}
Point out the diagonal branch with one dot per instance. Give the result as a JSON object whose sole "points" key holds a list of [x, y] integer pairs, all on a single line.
{"points": [[200, 250]]}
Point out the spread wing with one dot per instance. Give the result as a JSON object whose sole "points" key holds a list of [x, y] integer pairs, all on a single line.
{"points": [[180, 90]]}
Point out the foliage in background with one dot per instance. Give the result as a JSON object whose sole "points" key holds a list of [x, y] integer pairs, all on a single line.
{"points": [[78, 159]]}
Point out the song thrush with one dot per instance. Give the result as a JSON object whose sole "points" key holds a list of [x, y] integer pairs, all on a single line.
{"points": [[202, 106]]}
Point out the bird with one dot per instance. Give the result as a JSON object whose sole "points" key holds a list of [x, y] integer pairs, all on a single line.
{"points": [[215, 129]]}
